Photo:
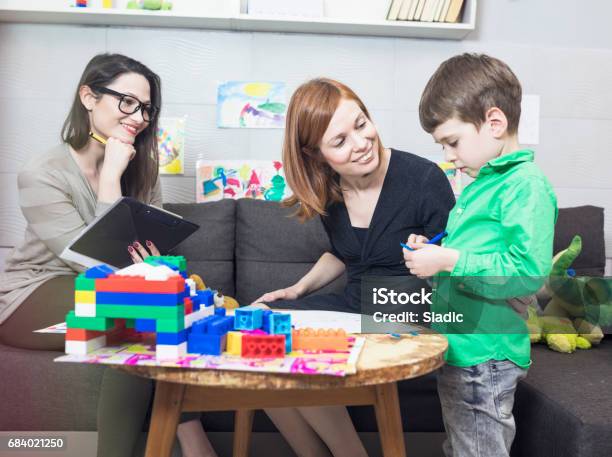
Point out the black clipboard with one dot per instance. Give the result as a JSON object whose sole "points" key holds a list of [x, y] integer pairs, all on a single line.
{"points": [[106, 238]]}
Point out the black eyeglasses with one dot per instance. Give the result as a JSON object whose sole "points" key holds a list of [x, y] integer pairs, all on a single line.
{"points": [[129, 104]]}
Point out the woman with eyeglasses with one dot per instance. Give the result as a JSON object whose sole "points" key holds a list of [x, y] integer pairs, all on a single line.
{"points": [[109, 150]]}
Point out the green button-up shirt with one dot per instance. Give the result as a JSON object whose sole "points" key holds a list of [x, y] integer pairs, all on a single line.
{"points": [[503, 227]]}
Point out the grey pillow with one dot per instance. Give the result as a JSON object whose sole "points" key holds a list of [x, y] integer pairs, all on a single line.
{"points": [[210, 250], [588, 222]]}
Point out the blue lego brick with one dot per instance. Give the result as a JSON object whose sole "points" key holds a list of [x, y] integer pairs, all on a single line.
{"points": [[266, 320], [221, 325], [145, 325], [201, 325], [288, 342], [172, 338], [280, 324], [206, 344], [207, 297], [142, 299], [248, 318], [196, 303], [100, 271], [220, 312]]}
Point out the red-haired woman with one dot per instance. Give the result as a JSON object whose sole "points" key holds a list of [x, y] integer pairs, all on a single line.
{"points": [[370, 199]]}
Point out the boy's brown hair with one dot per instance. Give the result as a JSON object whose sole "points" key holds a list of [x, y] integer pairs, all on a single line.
{"points": [[465, 87], [313, 182]]}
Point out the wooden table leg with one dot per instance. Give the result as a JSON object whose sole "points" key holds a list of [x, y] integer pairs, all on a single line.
{"points": [[243, 423], [389, 419], [167, 408]]}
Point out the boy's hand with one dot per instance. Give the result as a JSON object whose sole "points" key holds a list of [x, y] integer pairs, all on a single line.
{"points": [[413, 238], [428, 259]]}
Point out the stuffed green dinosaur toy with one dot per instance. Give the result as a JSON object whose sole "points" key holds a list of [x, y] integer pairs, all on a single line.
{"points": [[578, 306]]}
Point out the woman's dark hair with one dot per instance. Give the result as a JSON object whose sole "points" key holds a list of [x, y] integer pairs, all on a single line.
{"points": [[142, 172]]}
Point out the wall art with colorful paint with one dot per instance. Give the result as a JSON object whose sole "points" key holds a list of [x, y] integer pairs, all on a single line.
{"points": [[243, 104], [171, 145], [258, 179], [453, 175]]}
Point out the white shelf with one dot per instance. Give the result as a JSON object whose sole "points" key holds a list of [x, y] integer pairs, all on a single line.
{"points": [[242, 22]]}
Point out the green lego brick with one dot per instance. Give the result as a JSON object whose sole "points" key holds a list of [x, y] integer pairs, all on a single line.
{"points": [[83, 283], [141, 312], [178, 261], [89, 323], [130, 323], [170, 325]]}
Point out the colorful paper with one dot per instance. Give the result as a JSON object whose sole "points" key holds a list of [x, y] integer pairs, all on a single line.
{"points": [[330, 363], [57, 328], [171, 145], [244, 104], [258, 179]]}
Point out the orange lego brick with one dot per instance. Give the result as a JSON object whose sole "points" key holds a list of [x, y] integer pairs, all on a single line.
{"points": [[138, 284], [320, 340]]}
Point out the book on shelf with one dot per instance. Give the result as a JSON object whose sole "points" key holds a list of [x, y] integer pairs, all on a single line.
{"points": [[419, 10], [394, 10], [403, 12], [454, 11], [429, 10], [444, 10], [425, 10], [438, 11], [413, 7]]}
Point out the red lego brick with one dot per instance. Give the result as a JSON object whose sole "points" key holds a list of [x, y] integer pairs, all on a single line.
{"points": [[137, 284], [80, 334], [265, 346], [188, 305]]}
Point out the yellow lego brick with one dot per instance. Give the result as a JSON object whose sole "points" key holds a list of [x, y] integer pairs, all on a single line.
{"points": [[234, 343], [85, 296]]}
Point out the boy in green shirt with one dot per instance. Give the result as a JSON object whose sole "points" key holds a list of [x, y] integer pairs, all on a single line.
{"points": [[499, 245]]}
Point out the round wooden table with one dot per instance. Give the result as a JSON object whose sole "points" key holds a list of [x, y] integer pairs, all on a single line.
{"points": [[383, 361]]}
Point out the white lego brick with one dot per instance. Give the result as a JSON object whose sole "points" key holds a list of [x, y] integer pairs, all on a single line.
{"points": [[170, 351], [85, 347], [192, 287], [203, 312], [150, 272], [85, 310]]}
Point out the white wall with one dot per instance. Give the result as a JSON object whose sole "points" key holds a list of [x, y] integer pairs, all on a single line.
{"points": [[560, 49]]}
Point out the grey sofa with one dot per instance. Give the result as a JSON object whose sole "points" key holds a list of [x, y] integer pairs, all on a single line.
{"points": [[245, 248]]}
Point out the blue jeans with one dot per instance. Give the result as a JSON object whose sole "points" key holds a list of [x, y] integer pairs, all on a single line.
{"points": [[477, 406]]}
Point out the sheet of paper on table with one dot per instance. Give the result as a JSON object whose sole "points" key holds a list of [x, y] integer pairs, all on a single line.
{"points": [[350, 322]]}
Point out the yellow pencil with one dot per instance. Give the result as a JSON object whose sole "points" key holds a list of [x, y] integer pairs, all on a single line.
{"points": [[97, 137]]}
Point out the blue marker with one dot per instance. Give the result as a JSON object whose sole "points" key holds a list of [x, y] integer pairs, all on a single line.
{"points": [[435, 239]]}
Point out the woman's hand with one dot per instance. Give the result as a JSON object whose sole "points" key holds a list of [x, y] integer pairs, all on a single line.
{"points": [[117, 156], [138, 252], [290, 293]]}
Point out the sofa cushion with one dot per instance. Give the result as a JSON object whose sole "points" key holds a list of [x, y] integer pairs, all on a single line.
{"points": [[588, 222], [274, 250], [564, 406], [210, 250]]}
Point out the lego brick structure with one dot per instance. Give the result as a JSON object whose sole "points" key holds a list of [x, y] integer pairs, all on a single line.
{"points": [[157, 300]]}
